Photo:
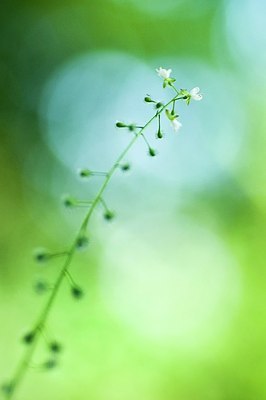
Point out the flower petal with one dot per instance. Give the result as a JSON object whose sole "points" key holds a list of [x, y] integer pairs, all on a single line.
{"points": [[176, 124], [194, 91], [163, 73], [197, 97], [168, 72]]}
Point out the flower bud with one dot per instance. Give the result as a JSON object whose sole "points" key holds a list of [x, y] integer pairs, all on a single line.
{"points": [[42, 255], [50, 364], [82, 242], [147, 99], [77, 292], [159, 134], [69, 201], [41, 287], [55, 347], [85, 173], [121, 125], [29, 337], [159, 105], [108, 215], [132, 127], [125, 167], [152, 152]]}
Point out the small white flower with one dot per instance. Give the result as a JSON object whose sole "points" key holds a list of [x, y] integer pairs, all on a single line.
{"points": [[164, 73], [195, 94], [176, 124]]}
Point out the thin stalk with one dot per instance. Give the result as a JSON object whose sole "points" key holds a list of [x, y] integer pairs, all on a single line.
{"points": [[25, 361], [98, 173], [104, 204]]}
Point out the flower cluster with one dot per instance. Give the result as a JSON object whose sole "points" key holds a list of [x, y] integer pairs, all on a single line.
{"points": [[193, 94]]}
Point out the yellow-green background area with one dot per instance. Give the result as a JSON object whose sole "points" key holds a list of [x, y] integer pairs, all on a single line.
{"points": [[175, 286]]}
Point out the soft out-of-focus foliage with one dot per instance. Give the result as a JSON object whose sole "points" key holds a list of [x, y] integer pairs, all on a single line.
{"points": [[175, 286]]}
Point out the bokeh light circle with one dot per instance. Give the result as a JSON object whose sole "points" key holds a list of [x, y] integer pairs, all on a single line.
{"points": [[178, 286], [245, 24]]}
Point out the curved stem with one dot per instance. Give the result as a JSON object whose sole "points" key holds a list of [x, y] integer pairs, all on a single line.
{"points": [[41, 321]]}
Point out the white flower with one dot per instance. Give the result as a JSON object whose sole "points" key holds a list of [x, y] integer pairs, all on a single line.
{"points": [[195, 94], [176, 124], [164, 73]]}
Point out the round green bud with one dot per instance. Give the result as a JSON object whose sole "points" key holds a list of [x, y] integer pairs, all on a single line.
{"points": [[85, 173], [152, 152], [108, 215], [82, 242], [69, 201], [159, 105], [41, 287], [77, 292], [55, 347], [41, 255], [125, 167], [29, 337], [132, 127]]}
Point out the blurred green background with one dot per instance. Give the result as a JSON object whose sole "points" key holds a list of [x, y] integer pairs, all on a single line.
{"points": [[175, 304]]}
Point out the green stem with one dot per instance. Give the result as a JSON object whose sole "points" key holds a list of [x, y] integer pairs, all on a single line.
{"points": [[98, 173], [70, 279], [145, 140], [24, 363], [173, 108], [104, 204]]}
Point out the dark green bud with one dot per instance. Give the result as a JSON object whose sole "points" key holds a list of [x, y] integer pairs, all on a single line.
{"points": [[41, 287], [147, 99], [29, 337], [159, 135], [125, 167], [55, 347], [152, 152], [77, 292], [42, 255], [132, 127], [108, 215], [121, 125], [50, 364], [69, 201], [82, 242], [85, 173], [159, 105]]}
